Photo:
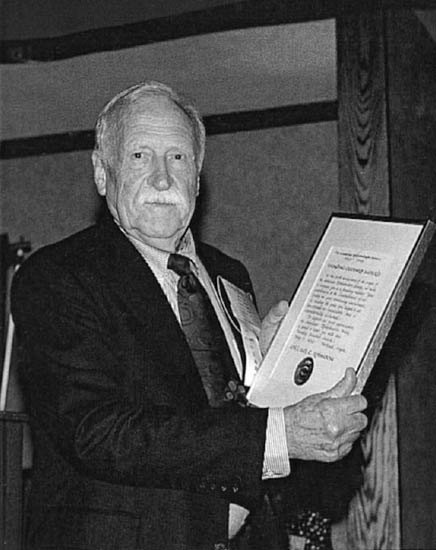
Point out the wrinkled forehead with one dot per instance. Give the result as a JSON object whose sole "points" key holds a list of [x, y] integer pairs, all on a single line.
{"points": [[155, 113], [145, 114]]}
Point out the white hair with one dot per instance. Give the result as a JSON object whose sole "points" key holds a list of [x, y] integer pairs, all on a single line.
{"points": [[109, 117]]}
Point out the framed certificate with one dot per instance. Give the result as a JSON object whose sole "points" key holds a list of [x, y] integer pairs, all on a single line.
{"points": [[343, 308]]}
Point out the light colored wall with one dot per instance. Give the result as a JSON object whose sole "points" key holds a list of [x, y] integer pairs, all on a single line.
{"points": [[266, 195], [223, 72], [46, 198]]}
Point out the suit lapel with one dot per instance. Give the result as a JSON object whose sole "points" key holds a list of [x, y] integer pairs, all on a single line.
{"points": [[132, 281]]}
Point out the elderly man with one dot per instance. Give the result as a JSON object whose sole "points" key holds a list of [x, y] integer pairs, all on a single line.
{"points": [[131, 369]]}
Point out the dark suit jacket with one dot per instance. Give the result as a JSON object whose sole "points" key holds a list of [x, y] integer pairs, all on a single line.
{"points": [[128, 454]]}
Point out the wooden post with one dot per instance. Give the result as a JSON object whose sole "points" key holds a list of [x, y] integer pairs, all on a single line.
{"points": [[11, 480], [362, 124], [373, 520], [387, 166], [411, 66]]}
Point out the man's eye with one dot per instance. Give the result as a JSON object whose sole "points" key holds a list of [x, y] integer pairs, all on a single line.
{"points": [[138, 155], [178, 156]]}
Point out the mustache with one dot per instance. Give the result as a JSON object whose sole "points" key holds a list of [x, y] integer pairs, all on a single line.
{"points": [[164, 197]]}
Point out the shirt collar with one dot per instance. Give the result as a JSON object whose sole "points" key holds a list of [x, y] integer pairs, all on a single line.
{"points": [[159, 257]]}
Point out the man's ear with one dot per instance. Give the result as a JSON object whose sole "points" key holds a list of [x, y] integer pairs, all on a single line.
{"points": [[99, 173]]}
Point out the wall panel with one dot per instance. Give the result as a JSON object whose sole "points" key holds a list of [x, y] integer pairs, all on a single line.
{"points": [[261, 191], [46, 198], [264, 190], [223, 72]]}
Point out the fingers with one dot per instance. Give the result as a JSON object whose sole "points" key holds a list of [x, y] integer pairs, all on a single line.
{"points": [[325, 426], [280, 308], [270, 325], [343, 419], [336, 449], [277, 312], [332, 455], [344, 450], [344, 429], [359, 422], [345, 385], [352, 427], [341, 451], [344, 415], [338, 445], [354, 403], [353, 430]]}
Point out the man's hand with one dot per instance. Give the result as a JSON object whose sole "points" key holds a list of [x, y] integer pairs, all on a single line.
{"points": [[324, 426], [270, 325]]}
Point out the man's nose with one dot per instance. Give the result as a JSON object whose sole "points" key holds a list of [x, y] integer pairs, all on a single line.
{"points": [[160, 178]]}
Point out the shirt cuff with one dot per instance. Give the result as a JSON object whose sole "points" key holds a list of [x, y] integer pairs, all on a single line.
{"points": [[276, 458]]}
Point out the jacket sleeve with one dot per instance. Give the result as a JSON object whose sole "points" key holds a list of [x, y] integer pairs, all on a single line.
{"points": [[78, 395]]}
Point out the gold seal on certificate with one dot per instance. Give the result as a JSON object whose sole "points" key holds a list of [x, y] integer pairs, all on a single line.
{"points": [[303, 371]]}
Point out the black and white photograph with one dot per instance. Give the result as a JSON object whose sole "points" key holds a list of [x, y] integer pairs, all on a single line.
{"points": [[218, 275]]}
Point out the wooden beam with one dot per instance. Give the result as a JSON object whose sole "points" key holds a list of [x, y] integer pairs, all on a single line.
{"points": [[215, 124], [237, 15]]}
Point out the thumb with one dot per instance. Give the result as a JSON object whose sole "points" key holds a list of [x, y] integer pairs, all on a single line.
{"points": [[276, 313], [345, 385], [270, 325]]}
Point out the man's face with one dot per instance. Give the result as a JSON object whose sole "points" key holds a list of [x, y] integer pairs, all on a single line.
{"points": [[151, 183]]}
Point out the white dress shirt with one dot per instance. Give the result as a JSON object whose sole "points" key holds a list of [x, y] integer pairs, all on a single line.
{"points": [[276, 461]]}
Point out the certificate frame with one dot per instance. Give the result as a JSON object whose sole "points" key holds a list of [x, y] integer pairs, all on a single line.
{"points": [[343, 307]]}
